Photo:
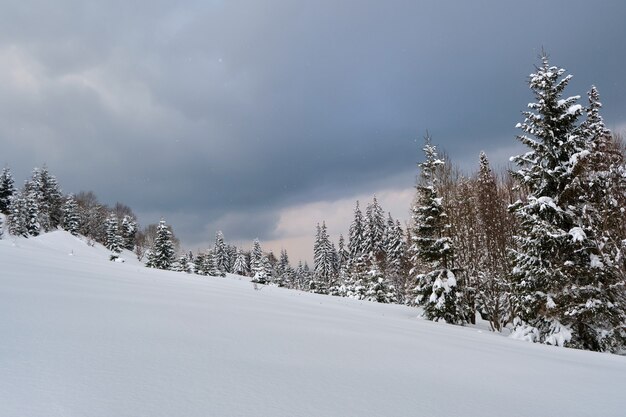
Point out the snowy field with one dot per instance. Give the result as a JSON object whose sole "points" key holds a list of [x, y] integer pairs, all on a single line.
{"points": [[83, 336]]}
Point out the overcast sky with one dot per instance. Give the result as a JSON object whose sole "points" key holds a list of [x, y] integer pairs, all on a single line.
{"points": [[262, 118]]}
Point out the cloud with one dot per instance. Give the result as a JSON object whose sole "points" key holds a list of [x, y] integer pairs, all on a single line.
{"points": [[222, 115]]}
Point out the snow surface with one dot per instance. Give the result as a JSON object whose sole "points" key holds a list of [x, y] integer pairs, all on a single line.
{"points": [[83, 336]]}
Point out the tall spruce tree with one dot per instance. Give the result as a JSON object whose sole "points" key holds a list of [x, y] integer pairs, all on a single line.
{"points": [[221, 254], [113, 241], [258, 264], [162, 252], [324, 262], [71, 219], [374, 232], [431, 247], [395, 251], [7, 190], [240, 266], [128, 232], [564, 294], [18, 215]]}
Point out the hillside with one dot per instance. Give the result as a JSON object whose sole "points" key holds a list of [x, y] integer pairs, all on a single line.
{"points": [[83, 336]]}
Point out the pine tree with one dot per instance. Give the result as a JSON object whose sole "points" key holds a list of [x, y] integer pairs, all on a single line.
{"points": [[258, 263], [18, 215], [114, 241], [32, 214], [395, 251], [563, 292], [374, 232], [324, 267], [356, 242], [200, 264], [283, 270], [162, 253], [71, 220], [211, 264], [7, 190], [221, 255], [44, 188], [358, 262], [431, 248], [128, 232], [342, 257], [240, 266]]}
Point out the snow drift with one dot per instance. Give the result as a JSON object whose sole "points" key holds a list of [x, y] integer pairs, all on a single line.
{"points": [[83, 336]]}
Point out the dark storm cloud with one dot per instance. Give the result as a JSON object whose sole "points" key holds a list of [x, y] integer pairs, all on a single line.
{"points": [[218, 113]]}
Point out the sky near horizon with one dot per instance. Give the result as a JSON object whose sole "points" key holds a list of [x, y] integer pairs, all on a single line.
{"points": [[263, 118]]}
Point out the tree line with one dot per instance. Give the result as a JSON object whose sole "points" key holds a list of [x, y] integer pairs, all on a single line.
{"points": [[539, 249]]}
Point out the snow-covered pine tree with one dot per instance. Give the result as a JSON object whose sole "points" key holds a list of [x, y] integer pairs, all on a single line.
{"points": [[282, 268], [113, 241], [231, 251], [431, 247], [240, 266], [342, 257], [211, 264], [71, 219], [18, 215], [44, 188], [564, 294], [356, 241], [200, 264], [597, 307], [258, 263], [128, 232], [7, 190], [220, 254], [162, 253], [358, 262], [183, 264], [52, 196], [395, 251], [33, 214], [324, 265], [374, 232]]}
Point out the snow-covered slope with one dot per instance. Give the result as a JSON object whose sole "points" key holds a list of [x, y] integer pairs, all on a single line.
{"points": [[83, 336]]}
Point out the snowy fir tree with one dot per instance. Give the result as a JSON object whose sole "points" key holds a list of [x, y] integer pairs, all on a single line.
{"points": [[374, 232], [358, 262], [162, 252], [70, 219], [221, 255], [211, 264], [18, 215], [284, 272], [7, 190], [240, 266], [43, 187], [32, 214], [258, 263], [199, 263], [323, 262], [128, 232], [431, 247], [356, 243], [343, 257], [113, 241], [563, 291], [395, 252]]}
